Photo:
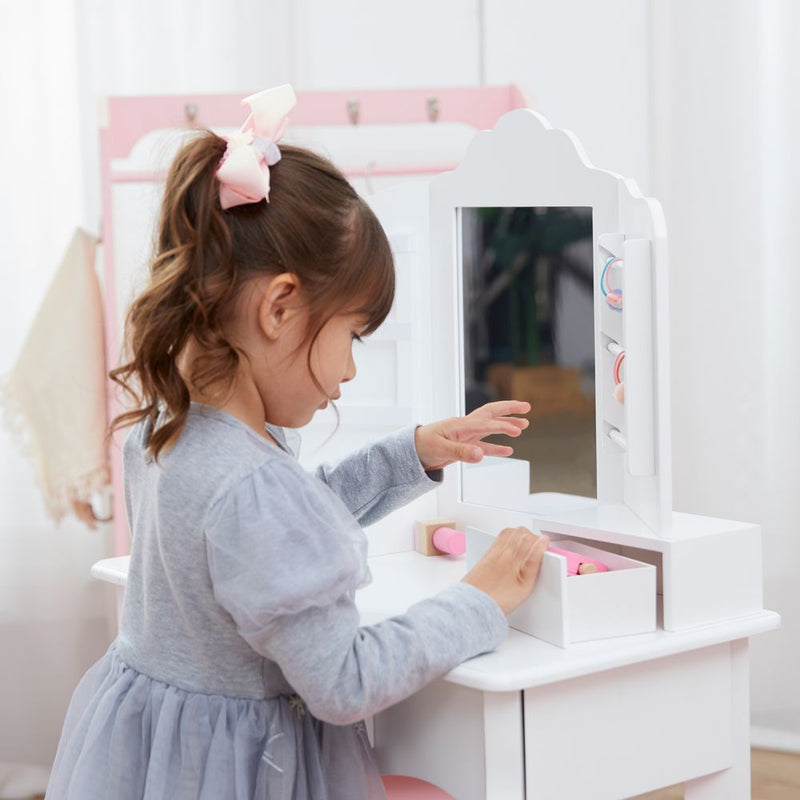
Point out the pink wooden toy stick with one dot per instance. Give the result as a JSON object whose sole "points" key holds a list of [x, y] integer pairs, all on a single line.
{"points": [[579, 564]]}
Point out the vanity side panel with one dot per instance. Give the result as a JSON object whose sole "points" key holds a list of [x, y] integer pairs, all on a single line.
{"points": [[714, 577]]}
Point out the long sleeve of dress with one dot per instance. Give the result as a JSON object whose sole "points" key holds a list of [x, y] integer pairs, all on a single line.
{"points": [[380, 477], [286, 556]]}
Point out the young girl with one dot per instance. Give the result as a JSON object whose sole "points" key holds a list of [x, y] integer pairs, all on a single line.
{"points": [[240, 670]]}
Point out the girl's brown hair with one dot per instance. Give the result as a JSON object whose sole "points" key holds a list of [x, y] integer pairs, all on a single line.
{"points": [[315, 226]]}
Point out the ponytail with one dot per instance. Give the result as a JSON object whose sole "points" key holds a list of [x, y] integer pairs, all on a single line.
{"points": [[192, 277]]}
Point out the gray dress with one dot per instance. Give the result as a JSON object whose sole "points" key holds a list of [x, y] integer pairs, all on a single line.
{"points": [[240, 670]]}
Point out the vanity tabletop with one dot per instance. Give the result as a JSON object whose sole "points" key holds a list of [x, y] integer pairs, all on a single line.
{"points": [[401, 579], [522, 661]]}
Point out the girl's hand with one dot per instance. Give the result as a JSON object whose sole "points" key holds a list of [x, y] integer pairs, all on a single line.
{"points": [[510, 567], [461, 438]]}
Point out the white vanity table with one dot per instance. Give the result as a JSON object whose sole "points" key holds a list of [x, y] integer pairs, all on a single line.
{"points": [[603, 719], [607, 718], [550, 718]]}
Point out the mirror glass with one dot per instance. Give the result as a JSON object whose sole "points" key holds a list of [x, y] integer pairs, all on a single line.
{"points": [[528, 334]]}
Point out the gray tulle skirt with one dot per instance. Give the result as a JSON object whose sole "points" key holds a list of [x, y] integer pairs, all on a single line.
{"points": [[129, 737]]}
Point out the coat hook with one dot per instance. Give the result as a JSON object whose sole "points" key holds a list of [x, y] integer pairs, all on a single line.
{"points": [[432, 105], [190, 110], [353, 108]]}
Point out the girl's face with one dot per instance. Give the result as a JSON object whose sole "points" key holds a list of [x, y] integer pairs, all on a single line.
{"points": [[294, 401], [276, 382], [332, 354]]}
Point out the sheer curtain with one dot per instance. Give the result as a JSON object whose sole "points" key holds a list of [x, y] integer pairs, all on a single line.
{"points": [[52, 619], [726, 127], [776, 703], [57, 57]]}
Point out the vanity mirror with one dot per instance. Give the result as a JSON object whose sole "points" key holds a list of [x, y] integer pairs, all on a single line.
{"points": [[527, 326], [549, 284]]}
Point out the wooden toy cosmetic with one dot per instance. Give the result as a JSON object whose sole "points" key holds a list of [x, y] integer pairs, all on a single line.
{"points": [[438, 537], [579, 564]]}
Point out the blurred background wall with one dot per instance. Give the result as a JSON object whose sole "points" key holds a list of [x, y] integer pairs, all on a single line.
{"points": [[694, 100]]}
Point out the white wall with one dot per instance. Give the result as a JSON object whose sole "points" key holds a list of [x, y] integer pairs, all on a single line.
{"points": [[354, 44], [585, 65]]}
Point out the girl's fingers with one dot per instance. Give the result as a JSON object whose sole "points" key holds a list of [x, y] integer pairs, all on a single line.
{"points": [[502, 408], [518, 422], [534, 556], [496, 449], [529, 549], [467, 428]]}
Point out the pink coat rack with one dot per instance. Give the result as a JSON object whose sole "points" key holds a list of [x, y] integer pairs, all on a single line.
{"points": [[128, 119]]}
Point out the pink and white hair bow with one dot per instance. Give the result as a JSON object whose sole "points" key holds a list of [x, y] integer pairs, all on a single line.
{"points": [[244, 171]]}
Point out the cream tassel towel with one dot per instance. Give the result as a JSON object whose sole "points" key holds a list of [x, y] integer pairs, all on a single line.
{"points": [[55, 396]]}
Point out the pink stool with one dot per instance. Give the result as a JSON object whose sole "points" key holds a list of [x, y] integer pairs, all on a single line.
{"points": [[401, 787]]}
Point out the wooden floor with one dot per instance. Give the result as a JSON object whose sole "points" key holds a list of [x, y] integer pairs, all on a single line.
{"points": [[776, 776]]}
